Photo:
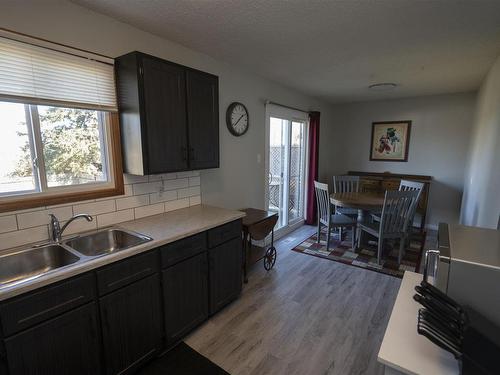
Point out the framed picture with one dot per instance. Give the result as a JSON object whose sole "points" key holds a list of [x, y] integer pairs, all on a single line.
{"points": [[390, 141]]}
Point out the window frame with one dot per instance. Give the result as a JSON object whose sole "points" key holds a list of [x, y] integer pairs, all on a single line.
{"points": [[70, 194]]}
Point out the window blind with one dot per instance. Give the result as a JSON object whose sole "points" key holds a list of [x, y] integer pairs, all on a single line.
{"points": [[40, 75]]}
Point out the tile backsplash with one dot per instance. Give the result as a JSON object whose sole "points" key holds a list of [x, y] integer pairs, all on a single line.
{"points": [[144, 196]]}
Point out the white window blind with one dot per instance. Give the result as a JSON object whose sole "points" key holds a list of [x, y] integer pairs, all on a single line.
{"points": [[34, 74]]}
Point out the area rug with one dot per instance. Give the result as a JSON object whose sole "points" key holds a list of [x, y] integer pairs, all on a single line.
{"points": [[366, 257], [182, 360]]}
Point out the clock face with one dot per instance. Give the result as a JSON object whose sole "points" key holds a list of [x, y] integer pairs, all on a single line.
{"points": [[237, 119]]}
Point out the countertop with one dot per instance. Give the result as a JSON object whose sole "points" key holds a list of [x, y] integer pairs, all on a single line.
{"points": [[164, 228], [403, 349]]}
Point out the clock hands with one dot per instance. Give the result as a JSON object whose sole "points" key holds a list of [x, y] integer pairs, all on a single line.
{"points": [[238, 120]]}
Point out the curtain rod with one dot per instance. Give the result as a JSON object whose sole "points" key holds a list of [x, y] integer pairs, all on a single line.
{"points": [[27, 36], [286, 106]]}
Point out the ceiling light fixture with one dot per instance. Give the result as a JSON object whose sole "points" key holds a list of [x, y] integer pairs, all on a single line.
{"points": [[385, 86]]}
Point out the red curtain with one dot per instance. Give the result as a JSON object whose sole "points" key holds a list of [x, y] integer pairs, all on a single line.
{"points": [[313, 166]]}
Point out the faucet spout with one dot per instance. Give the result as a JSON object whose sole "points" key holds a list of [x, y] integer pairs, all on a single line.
{"points": [[55, 226]]}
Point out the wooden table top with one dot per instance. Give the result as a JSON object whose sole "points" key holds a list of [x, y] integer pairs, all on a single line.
{"points": [[359, 200], [255, 216]]}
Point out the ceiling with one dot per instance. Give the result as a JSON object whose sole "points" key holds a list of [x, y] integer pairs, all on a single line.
{"points": [[333, 49]]}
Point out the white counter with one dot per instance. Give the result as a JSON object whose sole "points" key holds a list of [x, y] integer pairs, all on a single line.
{"points": [[163, 229], [403, 350]]}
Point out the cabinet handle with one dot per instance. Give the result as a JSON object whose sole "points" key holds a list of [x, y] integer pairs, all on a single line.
{"points": [[130, 277], [191, 154], [50, 309], [184, 153]]}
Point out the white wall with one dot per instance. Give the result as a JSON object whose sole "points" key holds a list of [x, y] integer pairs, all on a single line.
{"points": [[481, 202], [439, 141], [239, 182]]}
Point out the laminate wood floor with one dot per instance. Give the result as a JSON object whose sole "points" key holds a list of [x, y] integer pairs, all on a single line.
{"points": [[306, 316]]}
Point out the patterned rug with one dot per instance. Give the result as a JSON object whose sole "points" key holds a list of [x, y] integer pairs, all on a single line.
{"points": [[340, 251]]}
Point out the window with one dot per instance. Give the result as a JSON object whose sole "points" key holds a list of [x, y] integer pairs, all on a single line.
{"points": [[285, 164], [58, 121]]}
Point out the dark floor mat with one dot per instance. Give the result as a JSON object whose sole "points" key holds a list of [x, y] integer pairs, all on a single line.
{"points": [[182, 360]]}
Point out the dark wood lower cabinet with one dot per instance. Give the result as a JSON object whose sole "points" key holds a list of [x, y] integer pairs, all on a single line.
{"points": [[131, 325], [112, 320], [185, 296], [67, 344], [225, 265]]}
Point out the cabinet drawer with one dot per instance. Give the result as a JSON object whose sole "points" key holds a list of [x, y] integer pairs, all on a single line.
{"points": [[224, 233], [27, 310], [117, 275], [187, 247]]}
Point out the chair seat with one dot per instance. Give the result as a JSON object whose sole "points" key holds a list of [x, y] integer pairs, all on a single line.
{"points": [[342, 220], [372, 228], [346, 211]]}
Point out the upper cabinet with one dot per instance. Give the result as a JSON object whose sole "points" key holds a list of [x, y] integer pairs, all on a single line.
{"points": [[169, 115]]}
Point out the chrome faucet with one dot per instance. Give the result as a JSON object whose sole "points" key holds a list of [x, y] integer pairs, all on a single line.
{"points": [[55, 227]]}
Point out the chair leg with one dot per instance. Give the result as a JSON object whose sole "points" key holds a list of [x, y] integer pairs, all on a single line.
{"points": [[402, 243], [340, 234], [380, 248], [319, 230], [328, 238], [353, 236]]}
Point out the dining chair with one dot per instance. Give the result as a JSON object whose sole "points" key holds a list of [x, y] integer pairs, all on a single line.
{"points": [[398, 209], [329, 219], [346, 184], [405, 185]]}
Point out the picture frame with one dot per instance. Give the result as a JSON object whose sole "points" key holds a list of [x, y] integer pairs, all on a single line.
{"points": [[390, 141]]}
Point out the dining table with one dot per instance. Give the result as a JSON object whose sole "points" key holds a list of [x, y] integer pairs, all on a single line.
{"points": [[364, 202]]}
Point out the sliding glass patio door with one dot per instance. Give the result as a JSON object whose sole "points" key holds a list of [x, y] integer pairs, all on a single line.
{"points": [[286, 165]]}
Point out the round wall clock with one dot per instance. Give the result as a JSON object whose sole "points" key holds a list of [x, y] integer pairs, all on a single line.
{"points": [[237, 119]]}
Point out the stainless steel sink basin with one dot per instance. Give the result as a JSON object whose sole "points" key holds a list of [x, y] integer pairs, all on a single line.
{"points": [[31, 263], [106, 242]]}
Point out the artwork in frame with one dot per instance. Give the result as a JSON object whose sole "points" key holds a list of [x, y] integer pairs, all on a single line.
{"points": [[390, 140]]}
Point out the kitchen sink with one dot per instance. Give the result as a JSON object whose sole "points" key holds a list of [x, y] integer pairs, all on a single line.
{"points": [[106, 242], [31, 263]]}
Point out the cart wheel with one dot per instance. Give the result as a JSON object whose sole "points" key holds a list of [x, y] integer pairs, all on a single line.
{"points": [[270, 258]]}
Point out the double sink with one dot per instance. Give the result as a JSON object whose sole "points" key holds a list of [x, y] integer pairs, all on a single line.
{"points": [[23, 265]]}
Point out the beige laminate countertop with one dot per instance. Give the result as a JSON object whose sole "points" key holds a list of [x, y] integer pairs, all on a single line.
{"points": [[163, 229]]}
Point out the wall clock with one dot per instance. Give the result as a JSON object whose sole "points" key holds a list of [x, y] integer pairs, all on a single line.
{"points": [[237, 119]]}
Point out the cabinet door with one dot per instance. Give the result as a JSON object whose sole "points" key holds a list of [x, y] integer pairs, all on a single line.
{"points": [[67, 344], [203, 119], [225, 263], [185, 293], [164, 89], [131, 324]]}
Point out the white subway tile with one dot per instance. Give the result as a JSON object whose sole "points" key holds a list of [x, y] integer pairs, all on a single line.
{"points": [[153, 209], [133, 179], [80, 225], [175, 184], [38, 218], [149, 187], [111, 218], [188, 174], [163, 196], [23, 237], [131, 202], [95, 208], [194, 181], [177, 204], [22, 211], [188, 192], [8, 223], [164, 176], [193, 201]]}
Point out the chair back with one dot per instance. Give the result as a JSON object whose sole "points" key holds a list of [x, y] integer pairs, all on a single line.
{"points": [[406, 185], [397, 211], [323, 202], [345, 184]]}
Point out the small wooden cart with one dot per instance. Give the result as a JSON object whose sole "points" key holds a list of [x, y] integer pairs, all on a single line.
{"points": [[257, 224]]}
